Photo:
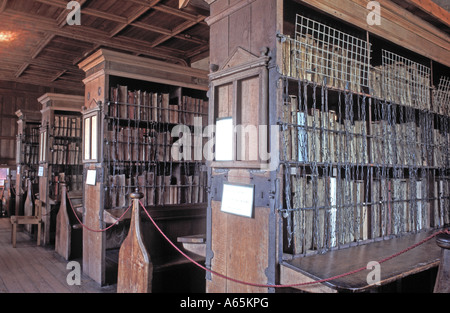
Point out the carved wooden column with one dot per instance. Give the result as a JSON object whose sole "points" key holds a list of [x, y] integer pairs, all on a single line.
{"points": [[443, 277], [135, 267]]}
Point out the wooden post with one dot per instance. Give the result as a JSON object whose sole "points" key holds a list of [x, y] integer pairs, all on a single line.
{"points": [[28, 207], [443, 277], [6, 197], [135, 267], [63, 227]]}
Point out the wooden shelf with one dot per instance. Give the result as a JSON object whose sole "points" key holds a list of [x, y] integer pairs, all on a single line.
{"points": [[318, 267]]}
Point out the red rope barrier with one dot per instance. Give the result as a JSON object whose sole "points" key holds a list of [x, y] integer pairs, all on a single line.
{"points": [[290, 285], [99, 230]]}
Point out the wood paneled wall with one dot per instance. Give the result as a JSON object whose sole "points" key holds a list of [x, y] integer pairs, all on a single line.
{"points": [[249, 24]]}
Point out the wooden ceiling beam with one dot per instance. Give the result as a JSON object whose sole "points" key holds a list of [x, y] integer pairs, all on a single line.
{"points": [[152, 28], [3, 4], [58, 75], [180, 28], [134, 17], [82, 33], [21, 70], [199, 50], [167, 32], [42, 44], [41, 61], [176, 12]]}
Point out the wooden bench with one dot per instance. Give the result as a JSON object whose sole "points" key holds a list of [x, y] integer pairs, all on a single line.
{"points": [[323, 266], [27, 220], [68, 240], [148, 263]]}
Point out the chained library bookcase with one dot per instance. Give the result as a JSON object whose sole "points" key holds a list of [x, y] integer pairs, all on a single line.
{"points": [[132, 106], [358, 167], [59, 155], [27, 155], [7, 193]]}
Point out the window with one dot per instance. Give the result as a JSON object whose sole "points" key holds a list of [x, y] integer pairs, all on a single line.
{"points": [[90, 135], [43, 147]]}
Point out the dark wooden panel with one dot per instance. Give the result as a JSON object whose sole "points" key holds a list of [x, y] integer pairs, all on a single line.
{"points": [[240, 29]]}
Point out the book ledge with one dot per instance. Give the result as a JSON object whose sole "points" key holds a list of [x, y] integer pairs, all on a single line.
{"points": [[337, 262]]}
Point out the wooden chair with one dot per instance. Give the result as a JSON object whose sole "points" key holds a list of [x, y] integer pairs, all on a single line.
{"points": [[35, 219]]}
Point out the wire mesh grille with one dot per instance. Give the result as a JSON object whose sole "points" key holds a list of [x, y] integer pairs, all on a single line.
{"points": [[441, 96], [404, 81], [322, 54]]}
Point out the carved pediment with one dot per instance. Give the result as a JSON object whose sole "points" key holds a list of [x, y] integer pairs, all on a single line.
{"points": [[238, 57], [239, 61]]}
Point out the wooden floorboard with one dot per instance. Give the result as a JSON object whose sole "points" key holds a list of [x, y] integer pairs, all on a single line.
{"points": [[29, 268]]}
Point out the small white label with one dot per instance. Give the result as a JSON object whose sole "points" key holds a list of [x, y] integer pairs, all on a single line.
{"points": [[91, 177], [238, 199]]}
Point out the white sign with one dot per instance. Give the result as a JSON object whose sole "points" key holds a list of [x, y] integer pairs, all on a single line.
{"points": [[224, 139], [41, 171], [238, 199], [91, 177]]}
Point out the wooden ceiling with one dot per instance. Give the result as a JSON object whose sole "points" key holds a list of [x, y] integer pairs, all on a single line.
{"points": [[46, 50]]}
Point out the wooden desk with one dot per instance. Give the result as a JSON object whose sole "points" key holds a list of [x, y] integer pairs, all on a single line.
{"points": [[337, 262]]}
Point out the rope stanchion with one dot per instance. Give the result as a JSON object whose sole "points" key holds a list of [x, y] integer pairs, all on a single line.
{"points": [[98, 230], [288, 285]]}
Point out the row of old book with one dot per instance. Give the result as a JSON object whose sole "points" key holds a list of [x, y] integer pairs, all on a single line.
{"points": [[66, 153], [67, 126], [408, 144], [155, 107], [29, 154], [149, 145], [157, 189], [401, 84], [30, 146], [341, 212], [317, 136], [306, 58], [31, 135]]}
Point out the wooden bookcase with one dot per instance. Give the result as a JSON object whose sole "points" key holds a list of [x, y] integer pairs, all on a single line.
{"points": [[59, 154], [27, 154], [130, 140], [7, 192], [361, 159]]}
